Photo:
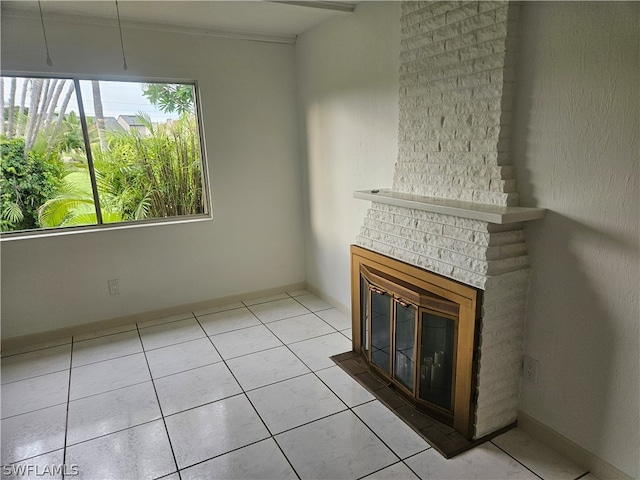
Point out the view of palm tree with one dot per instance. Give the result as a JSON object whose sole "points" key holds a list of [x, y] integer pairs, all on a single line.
{"points": [[144, 164]]}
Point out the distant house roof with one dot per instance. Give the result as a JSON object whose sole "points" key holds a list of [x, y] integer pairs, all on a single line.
{"points": [[131, 120], [111, 124], [132, 123]]}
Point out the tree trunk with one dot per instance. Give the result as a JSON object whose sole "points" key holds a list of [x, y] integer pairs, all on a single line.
{"points": [[20, 124], [45, 99], [63, 107], [34, 100], [97, 106], [54, 103], [49, 118], [61, 113], [12, 109]]}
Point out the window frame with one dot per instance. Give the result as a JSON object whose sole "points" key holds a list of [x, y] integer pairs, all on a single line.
{"points": [[206, 215]]}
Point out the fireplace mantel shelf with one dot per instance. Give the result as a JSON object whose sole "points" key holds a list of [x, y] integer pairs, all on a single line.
{"points": [[475, 211]]}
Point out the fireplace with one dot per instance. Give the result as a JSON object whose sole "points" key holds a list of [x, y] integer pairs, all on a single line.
{"points": [[451, 223], [418, 332]]}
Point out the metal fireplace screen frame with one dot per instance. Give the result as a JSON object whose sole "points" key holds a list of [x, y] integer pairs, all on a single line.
{"points": [[428, 292]]}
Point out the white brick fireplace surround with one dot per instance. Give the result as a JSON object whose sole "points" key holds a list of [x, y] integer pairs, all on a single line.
{"points": [[456, 86]]}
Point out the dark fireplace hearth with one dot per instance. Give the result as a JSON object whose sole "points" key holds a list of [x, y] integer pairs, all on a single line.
{"points": [[442, 437]]}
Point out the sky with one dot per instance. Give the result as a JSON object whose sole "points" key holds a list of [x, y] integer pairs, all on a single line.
{"points": [[118, 98]]}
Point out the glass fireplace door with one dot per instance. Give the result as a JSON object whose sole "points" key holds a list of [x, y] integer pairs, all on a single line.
{"points": [[437, 347], [410, 336], [380, 331], [406, 316]]}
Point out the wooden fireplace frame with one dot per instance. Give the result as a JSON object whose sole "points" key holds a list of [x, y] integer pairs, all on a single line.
{"points": [[467, 297]]}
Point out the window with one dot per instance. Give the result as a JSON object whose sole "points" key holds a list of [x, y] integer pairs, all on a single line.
{"points": [[97, 153]]}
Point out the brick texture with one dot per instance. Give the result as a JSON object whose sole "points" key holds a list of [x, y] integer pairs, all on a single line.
{"points": [[455, 97], [456, 87]]}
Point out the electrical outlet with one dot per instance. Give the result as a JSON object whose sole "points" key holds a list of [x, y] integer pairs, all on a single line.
{"points": [[530, 369], [114, 287]]}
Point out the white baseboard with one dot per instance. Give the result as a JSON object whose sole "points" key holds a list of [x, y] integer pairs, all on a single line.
{"points": [[66, 332], [583, 457]]}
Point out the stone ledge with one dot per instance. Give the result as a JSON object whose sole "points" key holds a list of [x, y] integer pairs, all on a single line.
{"points": [[476, 211]]}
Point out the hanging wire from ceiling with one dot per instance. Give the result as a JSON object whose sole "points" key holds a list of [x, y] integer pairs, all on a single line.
{"points": [[124, 60], [44, 33]]}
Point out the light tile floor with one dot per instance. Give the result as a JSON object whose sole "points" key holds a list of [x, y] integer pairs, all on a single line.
{"points": [[244, 391]]}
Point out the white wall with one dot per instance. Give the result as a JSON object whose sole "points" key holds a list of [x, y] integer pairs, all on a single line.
{"points": [[256, 238], [577, 154], [348, 102]]}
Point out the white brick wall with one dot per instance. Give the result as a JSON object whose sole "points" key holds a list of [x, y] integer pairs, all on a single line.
{"points": [[456, 86]]}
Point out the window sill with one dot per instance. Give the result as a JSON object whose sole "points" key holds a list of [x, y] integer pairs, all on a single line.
{"points": [[58, 232]]}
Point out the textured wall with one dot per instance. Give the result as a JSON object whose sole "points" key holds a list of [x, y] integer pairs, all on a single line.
{"points": [[455, 98], [575, 132], [347, 74], [577, 144]]}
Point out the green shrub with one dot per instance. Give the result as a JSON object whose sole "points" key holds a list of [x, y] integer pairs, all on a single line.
{"points": [[26, 182]]}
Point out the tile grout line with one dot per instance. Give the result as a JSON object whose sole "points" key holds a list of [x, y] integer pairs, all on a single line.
{"points": [[244, 392], [202, 405], [108, 359], [73, 344], [108, 391], [9, 355], [272, 383], [415, 455], [138, 327], [132, 329], [188, 369], [348, 408], [281, 319], [201, 313], [303, 340], [379, 470], [236, 329], [275, 440], [380, 438], [323, 310], [35, 410], [33, 376], [266, 324], [305, 364], [249, 400], [272, 435], [144, 351], [221, 455], [514, 458], [120, 430], [66, 420], [164, 422], [583, 475]]}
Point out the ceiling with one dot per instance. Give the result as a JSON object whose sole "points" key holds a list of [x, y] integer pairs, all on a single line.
{"points": [[268, 18]]}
